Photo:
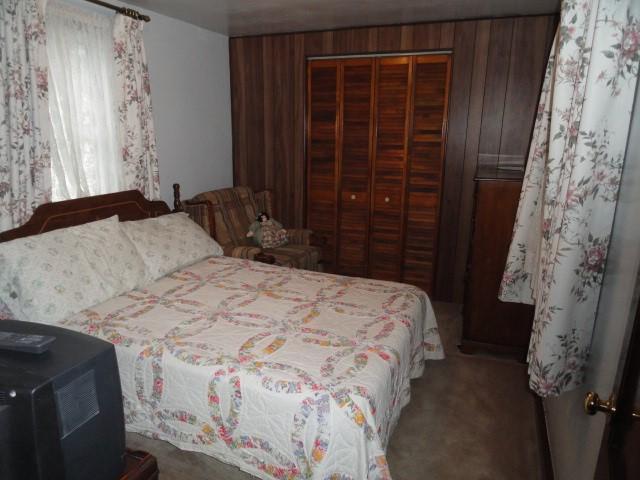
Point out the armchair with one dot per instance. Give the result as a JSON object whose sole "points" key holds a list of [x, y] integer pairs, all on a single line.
{"points": [[227, 213]]}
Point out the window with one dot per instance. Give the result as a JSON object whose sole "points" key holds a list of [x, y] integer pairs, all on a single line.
{"points": [[84, 150]]}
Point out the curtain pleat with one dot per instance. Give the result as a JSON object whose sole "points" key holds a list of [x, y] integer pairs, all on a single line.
{"points": [[135, 113], [25, 169]]}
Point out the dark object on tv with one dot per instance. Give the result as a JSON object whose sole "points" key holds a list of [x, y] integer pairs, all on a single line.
{"points": [[61, 414]]}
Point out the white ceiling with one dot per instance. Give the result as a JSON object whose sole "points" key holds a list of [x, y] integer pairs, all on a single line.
{"points": [[253, 17]]}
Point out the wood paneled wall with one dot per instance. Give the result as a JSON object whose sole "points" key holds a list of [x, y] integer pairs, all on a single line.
{"points": [[498, 66]]}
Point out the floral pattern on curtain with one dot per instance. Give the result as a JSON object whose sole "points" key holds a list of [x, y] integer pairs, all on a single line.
{"points": [[25, 168], [133, 90], [567, 205]]}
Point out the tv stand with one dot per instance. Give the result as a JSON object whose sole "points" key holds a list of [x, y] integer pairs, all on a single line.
{"points": [[139, 465]]}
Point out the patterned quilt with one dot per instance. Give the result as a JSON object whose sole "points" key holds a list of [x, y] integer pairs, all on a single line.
{"points": [[284, 373]]}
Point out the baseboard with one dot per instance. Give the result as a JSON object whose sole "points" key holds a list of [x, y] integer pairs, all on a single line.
{"points": [[543, 441]]}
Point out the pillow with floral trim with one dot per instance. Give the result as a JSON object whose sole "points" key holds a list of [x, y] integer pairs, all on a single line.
{"points": [[48, 277], [170, 242]]}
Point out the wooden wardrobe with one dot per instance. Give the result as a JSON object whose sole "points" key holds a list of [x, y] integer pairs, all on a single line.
{"points": [[376, 130]]}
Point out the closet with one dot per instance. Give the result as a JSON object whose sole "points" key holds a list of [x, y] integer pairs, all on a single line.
{"points": [[376, 129]]}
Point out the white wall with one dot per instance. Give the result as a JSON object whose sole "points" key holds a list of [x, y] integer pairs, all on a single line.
{"points": [[190, 88], [574, 437]]}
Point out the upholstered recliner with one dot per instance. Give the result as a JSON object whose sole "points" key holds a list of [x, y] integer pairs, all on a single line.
{"points": [[227, 213]]}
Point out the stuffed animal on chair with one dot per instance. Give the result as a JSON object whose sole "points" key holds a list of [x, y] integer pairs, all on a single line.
{"points": [[266, 232]]}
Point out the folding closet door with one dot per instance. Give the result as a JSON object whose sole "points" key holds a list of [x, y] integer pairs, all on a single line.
{"points": [[376, 130], [393, 96], [322, 145], [431, 74], [356, 122]]}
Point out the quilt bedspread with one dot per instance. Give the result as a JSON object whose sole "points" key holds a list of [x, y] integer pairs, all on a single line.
{"points": [[284, 373]]}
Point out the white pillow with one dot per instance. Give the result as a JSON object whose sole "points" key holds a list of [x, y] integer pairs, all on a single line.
{"points": [[46, 278], [170, 242]]}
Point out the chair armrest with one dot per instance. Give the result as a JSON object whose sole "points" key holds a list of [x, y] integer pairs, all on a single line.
{"points": [[265, 258], [252, 253], [201, 212], [243, 251]]}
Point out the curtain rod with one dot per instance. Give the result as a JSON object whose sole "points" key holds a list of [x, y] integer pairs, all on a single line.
{"points": [[129, 12]]}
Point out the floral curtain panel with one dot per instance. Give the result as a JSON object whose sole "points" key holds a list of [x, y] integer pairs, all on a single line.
{"points": [[136, 129], [563, 226], [25, 169]]}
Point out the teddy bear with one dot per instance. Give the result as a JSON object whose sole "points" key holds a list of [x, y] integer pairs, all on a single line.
{"points": [[266, 232]]}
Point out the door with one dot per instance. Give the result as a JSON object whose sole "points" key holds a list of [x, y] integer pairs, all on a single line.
{"points": [[619, 454], [322, 150], [356, 118], [375, 147], [393, 100], [427, 138]]}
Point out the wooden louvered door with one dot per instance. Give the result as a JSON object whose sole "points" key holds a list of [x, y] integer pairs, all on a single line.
{"points": [[393, 95], [322, 156], [376, 132], [356, 116], [431, 75]]}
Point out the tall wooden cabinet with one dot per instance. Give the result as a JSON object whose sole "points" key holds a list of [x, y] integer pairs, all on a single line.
{"points": [[488, 323], [375, 146]]}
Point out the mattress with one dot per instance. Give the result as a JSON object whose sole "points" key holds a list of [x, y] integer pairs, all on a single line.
{"points": [[284, 373]]}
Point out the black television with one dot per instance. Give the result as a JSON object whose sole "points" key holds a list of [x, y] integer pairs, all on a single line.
{"points": [[61, 414]]}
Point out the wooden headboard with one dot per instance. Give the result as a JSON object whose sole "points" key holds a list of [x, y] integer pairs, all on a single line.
{"points": [[129, 205]]}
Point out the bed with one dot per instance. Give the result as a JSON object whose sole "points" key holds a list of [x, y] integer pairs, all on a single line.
{"points": [[284, 373]]}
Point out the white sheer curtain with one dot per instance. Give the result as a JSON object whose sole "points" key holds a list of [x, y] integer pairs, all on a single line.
{"points": [[85, 154]]}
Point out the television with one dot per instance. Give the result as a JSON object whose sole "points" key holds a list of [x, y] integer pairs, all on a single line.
{"points": [[61, 414]]}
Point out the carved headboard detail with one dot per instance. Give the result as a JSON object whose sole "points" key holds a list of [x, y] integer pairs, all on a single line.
{"points": [[129, 205]]}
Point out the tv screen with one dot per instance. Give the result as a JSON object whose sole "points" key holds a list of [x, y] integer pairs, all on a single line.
{"points": [[61, 414]]}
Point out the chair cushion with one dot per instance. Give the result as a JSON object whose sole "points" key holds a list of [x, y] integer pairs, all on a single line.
{"points": [[234, 210]]}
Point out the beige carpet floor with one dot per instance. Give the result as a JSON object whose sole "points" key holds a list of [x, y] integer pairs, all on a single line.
{"points": [[470, 417]]}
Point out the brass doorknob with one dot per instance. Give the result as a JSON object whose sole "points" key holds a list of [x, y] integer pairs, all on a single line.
{"points": [[594, 404]]}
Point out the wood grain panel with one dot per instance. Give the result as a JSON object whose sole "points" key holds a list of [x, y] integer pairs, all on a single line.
{"points": [[462, 73], [426, 36], [389, 164], [296, 195], [254, 94], [498, 63], [523, 88], [469, 87], [355, 167], [282, 123], [447, 33], [322, 143], [353, 40], [474, 122], [268, 73], [389, 39], [424, 169]]}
